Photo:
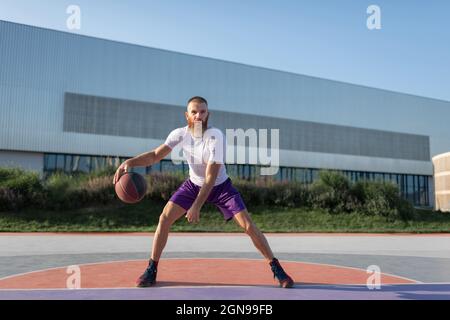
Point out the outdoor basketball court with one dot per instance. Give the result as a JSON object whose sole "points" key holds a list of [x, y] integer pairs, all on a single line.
{"points": [[224, 266]]}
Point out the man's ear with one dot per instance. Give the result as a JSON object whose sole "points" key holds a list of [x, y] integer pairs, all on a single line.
{"points": [[186, 115]]}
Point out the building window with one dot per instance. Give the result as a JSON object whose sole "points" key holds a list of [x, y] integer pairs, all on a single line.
{"points": [[98, 163], [156, 167], [169, 166], [68, 163], [49, 162], [60, 162], [232, 170]]}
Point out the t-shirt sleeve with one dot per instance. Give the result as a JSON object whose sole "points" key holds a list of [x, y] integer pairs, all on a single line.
{"points": [[174, 138], [216, 146]]}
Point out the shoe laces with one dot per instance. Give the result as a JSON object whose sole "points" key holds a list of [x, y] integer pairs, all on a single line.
{"points": [[277, 270], [151, 269]]}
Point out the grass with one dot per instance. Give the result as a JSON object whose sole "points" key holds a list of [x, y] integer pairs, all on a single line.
{"points": [[143, 217]]}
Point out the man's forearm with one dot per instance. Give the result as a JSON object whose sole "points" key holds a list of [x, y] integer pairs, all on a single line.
{"points": [[212, 171], [143, 160], [204, 192]]}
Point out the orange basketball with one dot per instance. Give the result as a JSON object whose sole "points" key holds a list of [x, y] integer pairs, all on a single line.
{"points": [[131, 187]]}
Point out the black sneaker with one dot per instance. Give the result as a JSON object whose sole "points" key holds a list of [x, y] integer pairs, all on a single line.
{"points": [[278, 272], [148, 278]]}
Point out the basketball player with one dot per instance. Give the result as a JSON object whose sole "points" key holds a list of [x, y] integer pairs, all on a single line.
{"points": [[208, 181]]}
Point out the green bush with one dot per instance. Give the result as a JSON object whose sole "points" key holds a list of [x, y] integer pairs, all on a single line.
{"points": [[289, 194], [97, 189], [335, 193], [332, 192], [73, 191], [9, 173], [251, 193], [10, 200], [20, 189], [25, 183], [163, 185], [61, 191], [383, 199], [268, 192], [105, 172]]}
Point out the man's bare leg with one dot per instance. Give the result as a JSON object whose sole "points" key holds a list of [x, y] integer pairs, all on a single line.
{"points": [[171, 213], [259, 240]]}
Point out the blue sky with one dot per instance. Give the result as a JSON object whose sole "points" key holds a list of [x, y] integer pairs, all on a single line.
{"points": [[322, 38]]}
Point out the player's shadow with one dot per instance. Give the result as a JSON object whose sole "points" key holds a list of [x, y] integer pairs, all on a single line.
{"points": [[402, 291], [405, 291], [203, 284], [298, 285]]}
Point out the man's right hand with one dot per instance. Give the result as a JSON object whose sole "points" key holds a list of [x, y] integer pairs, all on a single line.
{"points": [[120, 171]]}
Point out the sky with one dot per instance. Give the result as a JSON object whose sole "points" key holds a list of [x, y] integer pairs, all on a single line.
{"points": [[322, 38]]}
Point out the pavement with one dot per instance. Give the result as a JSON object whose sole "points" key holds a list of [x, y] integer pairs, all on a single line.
{"points": [[221, 266]]}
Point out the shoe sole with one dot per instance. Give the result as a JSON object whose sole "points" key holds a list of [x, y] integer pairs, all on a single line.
{"points": [[145, 285], [287, 284]]}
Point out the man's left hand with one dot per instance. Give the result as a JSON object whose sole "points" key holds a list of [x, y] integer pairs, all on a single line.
{"points": [[193, 214]]}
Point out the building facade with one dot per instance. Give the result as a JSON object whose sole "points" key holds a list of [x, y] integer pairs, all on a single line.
{"points": [[441, 165], [77, 103]]}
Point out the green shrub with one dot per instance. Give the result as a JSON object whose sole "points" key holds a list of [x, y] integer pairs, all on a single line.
{"points": [[251, 193], [59, 182], [105, 172], [57, 186], [20, 189], [97, 189], [163, 185], [332, 193], [289, 194], [382, 199], [74, 191], [268, 192], [10, 200], [9, 173]]}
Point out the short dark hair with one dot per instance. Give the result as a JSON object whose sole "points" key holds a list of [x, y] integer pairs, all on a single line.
{"points": [[198, 99]]}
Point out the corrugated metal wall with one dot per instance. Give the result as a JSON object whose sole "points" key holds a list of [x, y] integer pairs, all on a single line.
{"points": [[120, 117]]}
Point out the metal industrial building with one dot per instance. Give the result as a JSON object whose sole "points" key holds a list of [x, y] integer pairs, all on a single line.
{"points": [[75, 103]]}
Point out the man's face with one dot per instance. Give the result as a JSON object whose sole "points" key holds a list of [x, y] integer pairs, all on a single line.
{"points": [[197, 115]]}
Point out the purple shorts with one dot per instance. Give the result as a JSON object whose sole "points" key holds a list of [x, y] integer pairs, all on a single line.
{"points": [[224, 196]]}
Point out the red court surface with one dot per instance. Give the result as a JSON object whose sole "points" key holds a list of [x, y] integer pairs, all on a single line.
{"points": [[194, 272]]}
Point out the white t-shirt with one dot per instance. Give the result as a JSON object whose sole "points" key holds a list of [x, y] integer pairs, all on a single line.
{"points": [[198, 152]]}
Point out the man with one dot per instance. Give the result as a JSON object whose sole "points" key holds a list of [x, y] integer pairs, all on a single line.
{"points": [[208, 181]]}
